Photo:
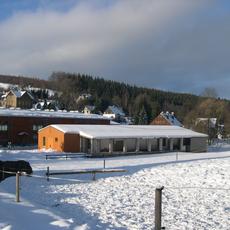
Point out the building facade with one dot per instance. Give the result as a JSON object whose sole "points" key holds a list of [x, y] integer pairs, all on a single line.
{"points": [[18, 99], [20, 127], [120, 139]]}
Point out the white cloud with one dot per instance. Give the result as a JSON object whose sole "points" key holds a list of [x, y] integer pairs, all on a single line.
{"points": [[150, 42]]}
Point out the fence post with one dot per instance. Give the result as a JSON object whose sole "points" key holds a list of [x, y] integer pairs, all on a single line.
{"points": [[177, 156], [158, 202], [94, 176], [104, 163], [48, 173], [17, 186], [3, 173]]}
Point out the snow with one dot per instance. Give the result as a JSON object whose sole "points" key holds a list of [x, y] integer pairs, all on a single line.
{"points": [[5, 85], [196, 193], [50, 91], [41, 113], [128, 131], [114, 110], [170, 117]]}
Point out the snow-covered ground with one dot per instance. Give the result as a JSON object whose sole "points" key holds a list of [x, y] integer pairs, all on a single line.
{"points": [[5, 85], [196, 193]]}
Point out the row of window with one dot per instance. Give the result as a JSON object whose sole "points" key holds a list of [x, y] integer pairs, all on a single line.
{"points": [[4, 127]]}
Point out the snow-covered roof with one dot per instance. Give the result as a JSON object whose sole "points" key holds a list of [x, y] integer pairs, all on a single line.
{"points": [[42, 103], [40, 113], [19, 93], [114, 110], [5, 85], [90, 107], [170, 117], [128, 131]]}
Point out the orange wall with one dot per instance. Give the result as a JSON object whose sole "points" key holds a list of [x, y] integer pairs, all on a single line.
{"points": [[58, 141], [54, 139]]}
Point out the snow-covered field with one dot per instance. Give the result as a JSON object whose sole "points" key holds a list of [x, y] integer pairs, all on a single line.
{"points": [[196, 193]]}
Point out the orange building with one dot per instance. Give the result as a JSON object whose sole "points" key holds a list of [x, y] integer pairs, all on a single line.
{"points": [[53, 138]]}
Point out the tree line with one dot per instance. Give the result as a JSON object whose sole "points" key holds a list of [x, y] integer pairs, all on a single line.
{"points": [[140, 103]]}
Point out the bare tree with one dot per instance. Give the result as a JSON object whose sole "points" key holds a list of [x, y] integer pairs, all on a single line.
{"points": [[209, 92]]}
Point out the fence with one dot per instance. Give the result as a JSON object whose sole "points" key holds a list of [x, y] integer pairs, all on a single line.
{"points": [[48, 174], [162, 194]]}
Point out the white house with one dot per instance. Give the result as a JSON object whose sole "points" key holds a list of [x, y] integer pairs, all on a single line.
{"points": [[89, 109], [114, 112]]}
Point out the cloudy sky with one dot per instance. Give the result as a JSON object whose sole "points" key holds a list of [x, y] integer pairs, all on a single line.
{"points": [[175, 45]]}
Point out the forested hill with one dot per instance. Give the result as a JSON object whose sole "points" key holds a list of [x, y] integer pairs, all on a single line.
{"points": [[143, 104], [25, 81], [138, 102]]}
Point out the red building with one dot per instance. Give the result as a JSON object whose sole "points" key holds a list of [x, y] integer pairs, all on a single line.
{"points": [[20, 127]]}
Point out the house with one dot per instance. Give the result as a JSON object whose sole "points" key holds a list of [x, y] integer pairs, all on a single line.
{"points": [[46, 104], [3, 99], [20, 127], [84, 96], [89, 109], [114, 113], [211, 122], [18, 99], [99, 140], [166, 118]]}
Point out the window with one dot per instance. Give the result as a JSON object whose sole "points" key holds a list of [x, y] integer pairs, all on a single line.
{"points": [[44, 141], [186, 141], [56, 139], [3, 128]]}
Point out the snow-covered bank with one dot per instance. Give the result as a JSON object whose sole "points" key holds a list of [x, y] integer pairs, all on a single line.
{"points": [[121, 201]]}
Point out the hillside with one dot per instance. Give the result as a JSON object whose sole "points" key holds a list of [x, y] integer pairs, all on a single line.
{"points": [[143, 104], [25, 81]]}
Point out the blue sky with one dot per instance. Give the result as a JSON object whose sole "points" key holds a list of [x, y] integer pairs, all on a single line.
{"points": [[10, 7], [174, 45]]}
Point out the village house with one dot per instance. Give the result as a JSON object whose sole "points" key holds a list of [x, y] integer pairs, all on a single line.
{"points": [[100, 140], [46, 104], [89, 109], [166, 118], [114, 113], [18, 99], [208, 122], [20, 127], [84, 96]]}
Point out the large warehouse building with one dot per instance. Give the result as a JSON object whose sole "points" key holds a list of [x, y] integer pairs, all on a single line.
{"points": [[20, 127], [99, 140]]}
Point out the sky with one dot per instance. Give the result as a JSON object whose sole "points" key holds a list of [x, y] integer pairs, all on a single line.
{"points": [[174, 45]]}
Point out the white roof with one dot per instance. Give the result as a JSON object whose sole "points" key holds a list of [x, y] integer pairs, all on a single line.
{"points": [[128, 131], [40, 113], [19, 93]]}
